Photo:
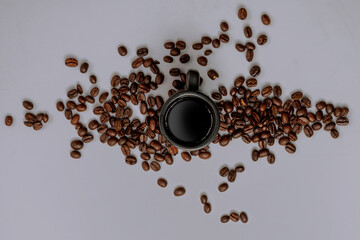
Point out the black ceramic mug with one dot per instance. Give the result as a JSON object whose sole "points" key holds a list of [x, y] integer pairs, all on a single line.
{"points": [[189, 119]]}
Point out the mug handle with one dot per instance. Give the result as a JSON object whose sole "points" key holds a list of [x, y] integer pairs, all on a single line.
{"points": [[192, 80]]}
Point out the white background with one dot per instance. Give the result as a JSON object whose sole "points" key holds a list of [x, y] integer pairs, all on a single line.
{"points": [[44, 194]]}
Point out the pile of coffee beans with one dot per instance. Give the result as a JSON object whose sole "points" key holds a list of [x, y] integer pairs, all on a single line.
{"points": [[255, 115]]}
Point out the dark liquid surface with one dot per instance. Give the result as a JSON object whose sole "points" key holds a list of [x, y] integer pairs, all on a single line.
{"points": [[189, 121]]}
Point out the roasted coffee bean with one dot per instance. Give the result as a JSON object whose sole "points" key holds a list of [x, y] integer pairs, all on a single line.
{"points": [[145, 156], [239, 81], [155, 166], [242, 13], [75, 154], [224, 218], [334, 133], [137, 62], [212, 74], [122, 50], [262, 39], [60, 106], [30, 117], [255, 155], [205, 155], [223, 90], [263, 153], [327, 119], [148, 62], [266, 91], [162, 182], [223, 187], [290, 148], [248, 32], [308, 131], [79, 89], [277, 91], [175, 52], [296, 95], [329, 108], [243, 217], [81, 99], [202, 61], [203, 199], [240, 47], [250, 46], [232, 175], [342, 121], [224, 140], [224, 26], [197, 46], [344, 111], [87, 138], [249, 55], [337, 111], [179, 191], [131, 160], [216, 43], [255, 71], [84, 67], [329, 126], [124, 148], [169, 159], [82, 131], [75, 119], [71, 104], [224, 171], [184, 58], [77, 144], [240, 168], [93, 79], [28, 105], [316, 126], [81, 107], [320, 105], [142, 52], [207, 208], [94, 91], [246, 138], [235, 217], [9, 120], [306, 102], [158, 157], [174, 72], [169, 45], [180, 45], [224, 38], [168, 59], [205, 40], [37, 126], [71, 62], [186, 156], [145, 166], [284, 140], [251, 82], [265, 19]]}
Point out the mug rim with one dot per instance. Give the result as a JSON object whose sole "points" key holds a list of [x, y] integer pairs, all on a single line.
{"points": [[195, 94]]}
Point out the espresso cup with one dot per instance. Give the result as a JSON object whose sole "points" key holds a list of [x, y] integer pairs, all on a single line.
{"points": [[189, 119]]}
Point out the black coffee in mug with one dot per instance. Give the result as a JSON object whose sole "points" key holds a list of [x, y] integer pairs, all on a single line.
{"points": [[189, 119]]}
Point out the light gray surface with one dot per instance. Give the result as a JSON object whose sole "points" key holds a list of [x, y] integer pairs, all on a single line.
{"points": [[313, 194]]}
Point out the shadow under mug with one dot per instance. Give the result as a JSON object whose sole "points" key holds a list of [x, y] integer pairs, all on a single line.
{"points": [[189, 119]]}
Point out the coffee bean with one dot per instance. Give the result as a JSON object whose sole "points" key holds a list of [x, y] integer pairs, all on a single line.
{"points": [[169, 45], [234, 217], [251, 82], [60, 106], [84, 67], [265, 19], [327, 119], [180, 45], [329, 108], [224, 171], [131, 160], [243, 217], [255, 71], [283, 141], [122, 50], [246, 138], [203, 199], [142, 52], [9, 120], [263, 153], [174, 72], [308, 131], [28, 105], [179, 191], [262, 39], [342, 121], [77, 144], [329, 126], [87, 138], [277, 91], [224, 218], [75, 119], [205, 155], [240, 168], [216, 43], [212, 74], [68, 114], [242, 13], [240, 47], [197, 46], [202, 61], [75, 154], [334, 133], [266, 91], [223, 90], [73, 93], [223, 187], [169, 159], [81, 107], [162, 182], [175, 52], [186, 156], [184, 58], [137, 63], [271, 158], [320, 105], [224, 26], [248, 32], [224, 140], [145, 166], [168, 59], [249, 55], [224, 38], [232, 175], [316, 126], [344, 111], [207, 208], [205, 40], [71, 105], [290, 148], [155, 166], [296, 95], [216, 96], [71, 62]]}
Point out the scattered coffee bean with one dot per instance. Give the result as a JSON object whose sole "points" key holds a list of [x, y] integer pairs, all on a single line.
{"points": [[224, 171], [224, 26], [334, 133], [224, 38], [255, 71], [262, 39], [243, 217], [186, 156], [249, 55], [203, 199], [184, 58], [71, 62], [162, 182], [248, 32], [265, 19], [169, 45], [179, 191], [84, 67], [223, 187], [77, 144], [131, 160], [180, 45], [212, 74], [9, 120], [205, 155], [235, 217], [232, 176], [207, 52], [207, 208], [142, 52], [122, 50], [175, 52], [290, 148], [216, 43], [202, 61], [242, 13], [75, 154], [28, 105], [224, 218], [197, 46]]}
